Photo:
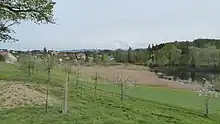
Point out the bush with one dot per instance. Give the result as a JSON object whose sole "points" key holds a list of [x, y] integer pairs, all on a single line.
{"points": [[2, 58]]}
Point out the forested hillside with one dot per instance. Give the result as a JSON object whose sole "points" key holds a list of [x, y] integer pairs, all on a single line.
{"points": [[197, 53]]}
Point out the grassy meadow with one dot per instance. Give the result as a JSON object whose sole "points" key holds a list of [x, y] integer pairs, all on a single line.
{"points": [[142, 104]]}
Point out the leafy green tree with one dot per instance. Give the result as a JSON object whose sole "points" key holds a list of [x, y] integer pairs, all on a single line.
{"points": [[140, 57], [87, 56], [104, 58], [12, 12], [208, 56], [161, 59], [184, 48], [45, 51], [172, 54], [194, 61], [152, 59], [96, 58], [119, 56], [130, 55], [148, 48]]}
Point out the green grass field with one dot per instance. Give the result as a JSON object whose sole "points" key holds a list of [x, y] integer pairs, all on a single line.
{"points": [[143, 104]]}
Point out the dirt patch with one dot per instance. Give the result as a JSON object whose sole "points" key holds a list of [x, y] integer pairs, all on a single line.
{"points": [[15, 94], [140, 74]]}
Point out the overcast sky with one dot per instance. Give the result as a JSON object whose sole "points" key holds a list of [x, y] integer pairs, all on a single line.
{"points": [[121, 23]]}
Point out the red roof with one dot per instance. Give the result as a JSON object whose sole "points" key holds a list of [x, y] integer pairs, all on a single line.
{"points": [[3, 53]]}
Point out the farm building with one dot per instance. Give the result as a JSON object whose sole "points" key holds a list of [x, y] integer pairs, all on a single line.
{"points": [[7, 56], [81, 56]]}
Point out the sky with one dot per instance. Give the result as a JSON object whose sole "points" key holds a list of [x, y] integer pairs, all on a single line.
{"points": [[112, 24]]}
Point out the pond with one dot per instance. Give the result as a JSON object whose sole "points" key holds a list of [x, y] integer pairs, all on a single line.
{"points": [[190, 74]]}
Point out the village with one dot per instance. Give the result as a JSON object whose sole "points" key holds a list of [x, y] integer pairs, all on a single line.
{"points": [[12, 56]]}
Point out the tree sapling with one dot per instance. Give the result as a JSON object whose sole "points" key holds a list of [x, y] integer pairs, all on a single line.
{"points": [[123, 82], [208, 92], [49, 61]]}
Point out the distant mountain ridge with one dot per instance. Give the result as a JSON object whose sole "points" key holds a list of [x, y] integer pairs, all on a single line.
{"points": [[77, 50]]}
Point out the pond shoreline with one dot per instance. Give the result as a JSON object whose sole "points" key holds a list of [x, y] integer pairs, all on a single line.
{"points": [[189, 75]]}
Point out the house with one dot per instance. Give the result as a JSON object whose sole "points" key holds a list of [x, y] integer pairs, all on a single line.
{"points": [[36, 52], [67, 58], [111, 57], [60, 60], [9, 58], [81, 56], [4, 52], [53, 52], [3, 55]]}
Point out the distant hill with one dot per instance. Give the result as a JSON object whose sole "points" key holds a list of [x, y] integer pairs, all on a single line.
{"points": [[80, 50]]}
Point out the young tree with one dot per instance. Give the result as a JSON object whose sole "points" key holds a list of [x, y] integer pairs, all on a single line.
{"points": [[30, 65], [119, 56], [50, 60], [95, 78], [14, 11], [77, 80], [209, 92], [68, 69], [87, 57], [152, 59], [27, 63], [123, 82], [95, 57], [76, 68]]}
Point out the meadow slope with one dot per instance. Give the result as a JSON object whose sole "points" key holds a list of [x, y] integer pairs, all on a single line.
{"points": [[143, 104], [140, 74]]}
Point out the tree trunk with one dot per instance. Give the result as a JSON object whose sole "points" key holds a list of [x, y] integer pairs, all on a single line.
{"points": [[29, 71], [65, 107], [77, 82], [47, 94], [81, 88], [122, 91], [206, 106], [96, 82]]}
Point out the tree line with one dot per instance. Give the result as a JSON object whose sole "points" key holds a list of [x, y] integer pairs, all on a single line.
{"points": [[197, 53]]}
